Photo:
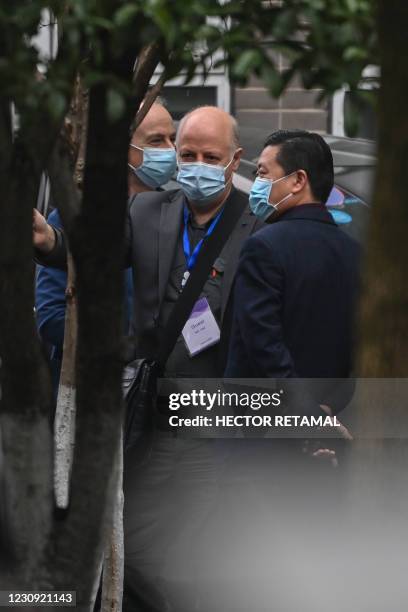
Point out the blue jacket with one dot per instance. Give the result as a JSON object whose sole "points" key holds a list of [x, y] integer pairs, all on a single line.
{"points": [[294, 300], [50, 304]]}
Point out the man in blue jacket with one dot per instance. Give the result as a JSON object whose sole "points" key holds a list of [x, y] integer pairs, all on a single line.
{"points": [[297, 279], [152, 163]]}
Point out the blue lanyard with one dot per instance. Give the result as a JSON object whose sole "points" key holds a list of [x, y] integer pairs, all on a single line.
{"points": [[191, 257]]}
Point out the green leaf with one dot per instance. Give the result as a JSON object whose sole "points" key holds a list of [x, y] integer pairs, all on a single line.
{"points": [[354, 53], [125, 15], [101, 22], [273, 80], [246, 62]]}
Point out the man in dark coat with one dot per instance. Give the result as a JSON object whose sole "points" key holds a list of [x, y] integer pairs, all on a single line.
{"points": [[293, 316], [297, 279]]}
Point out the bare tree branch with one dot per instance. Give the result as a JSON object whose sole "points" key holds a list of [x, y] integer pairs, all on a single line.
{"points": [[149, 100], [146, 64]]}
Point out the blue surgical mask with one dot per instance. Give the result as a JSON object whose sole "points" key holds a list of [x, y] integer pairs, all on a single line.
{"points": [[259, 197], [158, 166], [202, 183]]}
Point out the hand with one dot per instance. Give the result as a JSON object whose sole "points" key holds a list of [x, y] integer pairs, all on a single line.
{"points": [[43, 234], [315, 448], [318, 450]]}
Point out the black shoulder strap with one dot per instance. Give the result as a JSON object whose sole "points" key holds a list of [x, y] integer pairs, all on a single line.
{"points": [[212, 247]]}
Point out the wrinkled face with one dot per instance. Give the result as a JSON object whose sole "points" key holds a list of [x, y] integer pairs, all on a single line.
{"points": [[269, 168], [207, 137], [156, 130]]}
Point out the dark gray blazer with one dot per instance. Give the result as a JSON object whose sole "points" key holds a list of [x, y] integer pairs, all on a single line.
{"points": [[153, 229]]}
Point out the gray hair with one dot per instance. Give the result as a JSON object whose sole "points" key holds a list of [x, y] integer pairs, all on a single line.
{"points": [[234, 127]]}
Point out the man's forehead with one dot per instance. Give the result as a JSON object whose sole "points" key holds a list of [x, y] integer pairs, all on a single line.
{"points": [[158, 130], [157, 119], [268, 155], [207, 140]]}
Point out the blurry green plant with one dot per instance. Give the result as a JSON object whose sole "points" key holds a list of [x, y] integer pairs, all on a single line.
{"points": [[328, 44]]}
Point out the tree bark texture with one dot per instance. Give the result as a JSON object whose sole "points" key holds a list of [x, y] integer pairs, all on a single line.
{"points": [[66, 173], [384, 308], [113, 567], [96, 241], [25, 380], [383, 322], [64, 425]]}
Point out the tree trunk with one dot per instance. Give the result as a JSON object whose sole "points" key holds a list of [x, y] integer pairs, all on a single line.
{"points": [[113, 568], [96, 241], [384, 309], [384, 329], [68, 154], [26, 398], [64, 425], [26, 385]]}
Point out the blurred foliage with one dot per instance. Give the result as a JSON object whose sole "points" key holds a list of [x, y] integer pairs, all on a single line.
{"points": [[327, 43]]}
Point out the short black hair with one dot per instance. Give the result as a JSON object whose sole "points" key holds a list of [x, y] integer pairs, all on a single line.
{"points": [[302, 150]]}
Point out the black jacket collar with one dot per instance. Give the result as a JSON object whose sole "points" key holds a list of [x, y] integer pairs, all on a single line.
{"points": [[309, 212]]}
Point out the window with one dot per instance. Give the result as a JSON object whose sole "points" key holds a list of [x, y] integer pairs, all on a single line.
{"points": [[180, 100]]}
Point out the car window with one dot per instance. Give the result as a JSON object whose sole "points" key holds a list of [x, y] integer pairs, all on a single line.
{"points": [[349, 212]]}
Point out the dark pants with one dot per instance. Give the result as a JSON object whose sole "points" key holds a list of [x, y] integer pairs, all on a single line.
{"points": [[168, 498]]}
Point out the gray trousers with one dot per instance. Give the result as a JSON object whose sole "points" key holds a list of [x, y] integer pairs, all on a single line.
{"points": [[168, 499]]}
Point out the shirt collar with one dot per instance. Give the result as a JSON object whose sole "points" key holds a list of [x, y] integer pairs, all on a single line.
{"points": [[195, 225]]}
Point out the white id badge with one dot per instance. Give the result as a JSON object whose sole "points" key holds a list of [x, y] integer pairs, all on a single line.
{"points": [[201, 330]]}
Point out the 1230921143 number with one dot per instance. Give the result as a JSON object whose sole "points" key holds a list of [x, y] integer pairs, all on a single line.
{"points": [[43, 598]]}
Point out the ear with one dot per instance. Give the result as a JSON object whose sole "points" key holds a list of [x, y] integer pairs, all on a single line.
{"points": [[135, 156], [300, 181], [236, 160]]}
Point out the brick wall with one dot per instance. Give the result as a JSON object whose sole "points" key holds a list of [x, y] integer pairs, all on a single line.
{"points": [[296, 108]]}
